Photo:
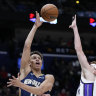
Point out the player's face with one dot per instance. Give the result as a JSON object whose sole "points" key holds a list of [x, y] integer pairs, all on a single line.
{"points": [[36, 61]]}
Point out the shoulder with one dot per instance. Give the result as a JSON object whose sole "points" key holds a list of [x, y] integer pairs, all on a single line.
{"points": [[49, 76]]}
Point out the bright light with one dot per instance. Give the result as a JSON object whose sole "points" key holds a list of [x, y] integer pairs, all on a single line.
{"points": [[31, 15], [77, 2], [93, 24], [92, 20], [33, 19]]}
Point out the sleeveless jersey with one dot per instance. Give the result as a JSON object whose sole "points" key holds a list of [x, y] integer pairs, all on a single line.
{"points": [[86, 88], [32, 80]]}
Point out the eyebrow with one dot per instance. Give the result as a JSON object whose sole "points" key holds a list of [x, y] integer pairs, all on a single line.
{"points": [[36, 56]]}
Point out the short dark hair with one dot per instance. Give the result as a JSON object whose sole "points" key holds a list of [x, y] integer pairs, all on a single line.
{"points": [[37, 52]]}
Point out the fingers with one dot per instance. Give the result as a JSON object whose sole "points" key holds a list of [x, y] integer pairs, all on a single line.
{"points": [[10, 80], [9, 84], [18, 76], [14, 77], [74, 17], [70, 26], [37, 15]]}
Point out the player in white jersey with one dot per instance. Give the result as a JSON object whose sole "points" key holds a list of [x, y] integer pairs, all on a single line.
{"points": [[87, 85]]}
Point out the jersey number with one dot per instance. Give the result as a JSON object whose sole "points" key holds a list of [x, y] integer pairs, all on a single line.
{"points": [[32, 94]]}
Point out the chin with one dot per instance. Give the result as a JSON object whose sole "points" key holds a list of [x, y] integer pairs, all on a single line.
{"points": [[38, 68]]}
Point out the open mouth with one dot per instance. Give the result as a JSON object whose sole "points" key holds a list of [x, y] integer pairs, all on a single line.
{"points": [[37, 63]]}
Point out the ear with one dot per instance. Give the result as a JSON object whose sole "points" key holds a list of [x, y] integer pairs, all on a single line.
{"points": [[29, 63]]}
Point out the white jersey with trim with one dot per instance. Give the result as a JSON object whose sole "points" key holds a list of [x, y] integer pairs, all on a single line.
{"points": [[86, 87]]}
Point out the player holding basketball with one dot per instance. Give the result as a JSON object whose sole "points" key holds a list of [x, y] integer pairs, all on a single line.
{"points": [[87, 85], [33, 82]]}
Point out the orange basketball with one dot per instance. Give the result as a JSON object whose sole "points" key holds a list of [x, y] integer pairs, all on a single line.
{"points": [[49, 12]]}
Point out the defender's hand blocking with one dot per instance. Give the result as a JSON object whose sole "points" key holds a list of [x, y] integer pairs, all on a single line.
{"points": [[73, 25], [38, 23]]}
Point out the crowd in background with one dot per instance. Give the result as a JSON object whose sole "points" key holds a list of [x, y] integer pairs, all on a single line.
{"points": [[65, 70], [23, 5]]}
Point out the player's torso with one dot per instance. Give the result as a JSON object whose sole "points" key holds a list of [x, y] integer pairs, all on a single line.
{"points": [[31, 80], [86, 88]]}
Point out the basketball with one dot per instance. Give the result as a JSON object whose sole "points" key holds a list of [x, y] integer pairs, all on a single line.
{"points": [[49, 12]]}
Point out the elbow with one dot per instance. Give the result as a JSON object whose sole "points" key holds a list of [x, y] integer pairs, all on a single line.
{"points": [[26, 45], [40, 92]]}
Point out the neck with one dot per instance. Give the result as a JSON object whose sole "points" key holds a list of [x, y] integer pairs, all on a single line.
{"points": [[36, 72]]}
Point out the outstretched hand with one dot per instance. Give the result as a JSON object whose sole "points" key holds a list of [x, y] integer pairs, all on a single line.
{"points": [[38, 23], [73, 25], [13, 82]]}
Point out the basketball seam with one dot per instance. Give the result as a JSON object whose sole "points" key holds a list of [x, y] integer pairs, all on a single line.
{"points": [[51, 14], [45, 15], [48, 9]]}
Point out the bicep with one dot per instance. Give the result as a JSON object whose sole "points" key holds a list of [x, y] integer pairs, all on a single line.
{"points": [[25, 57], [84, 62]]}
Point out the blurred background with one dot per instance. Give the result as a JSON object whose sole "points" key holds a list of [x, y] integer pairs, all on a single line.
{"points": [[54, 41]]}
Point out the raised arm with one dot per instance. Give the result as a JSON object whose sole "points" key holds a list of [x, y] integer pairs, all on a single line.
{"points": [[78, 47], [27, 46], [44, 87]]}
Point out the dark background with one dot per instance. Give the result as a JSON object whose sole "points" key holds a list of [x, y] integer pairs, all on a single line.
{"points": [[54, 41]]}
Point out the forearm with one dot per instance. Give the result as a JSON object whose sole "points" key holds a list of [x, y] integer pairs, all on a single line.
{"points": [[78, 47], [30, 36], [27, 48], [30, 89], [77, 40]]}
